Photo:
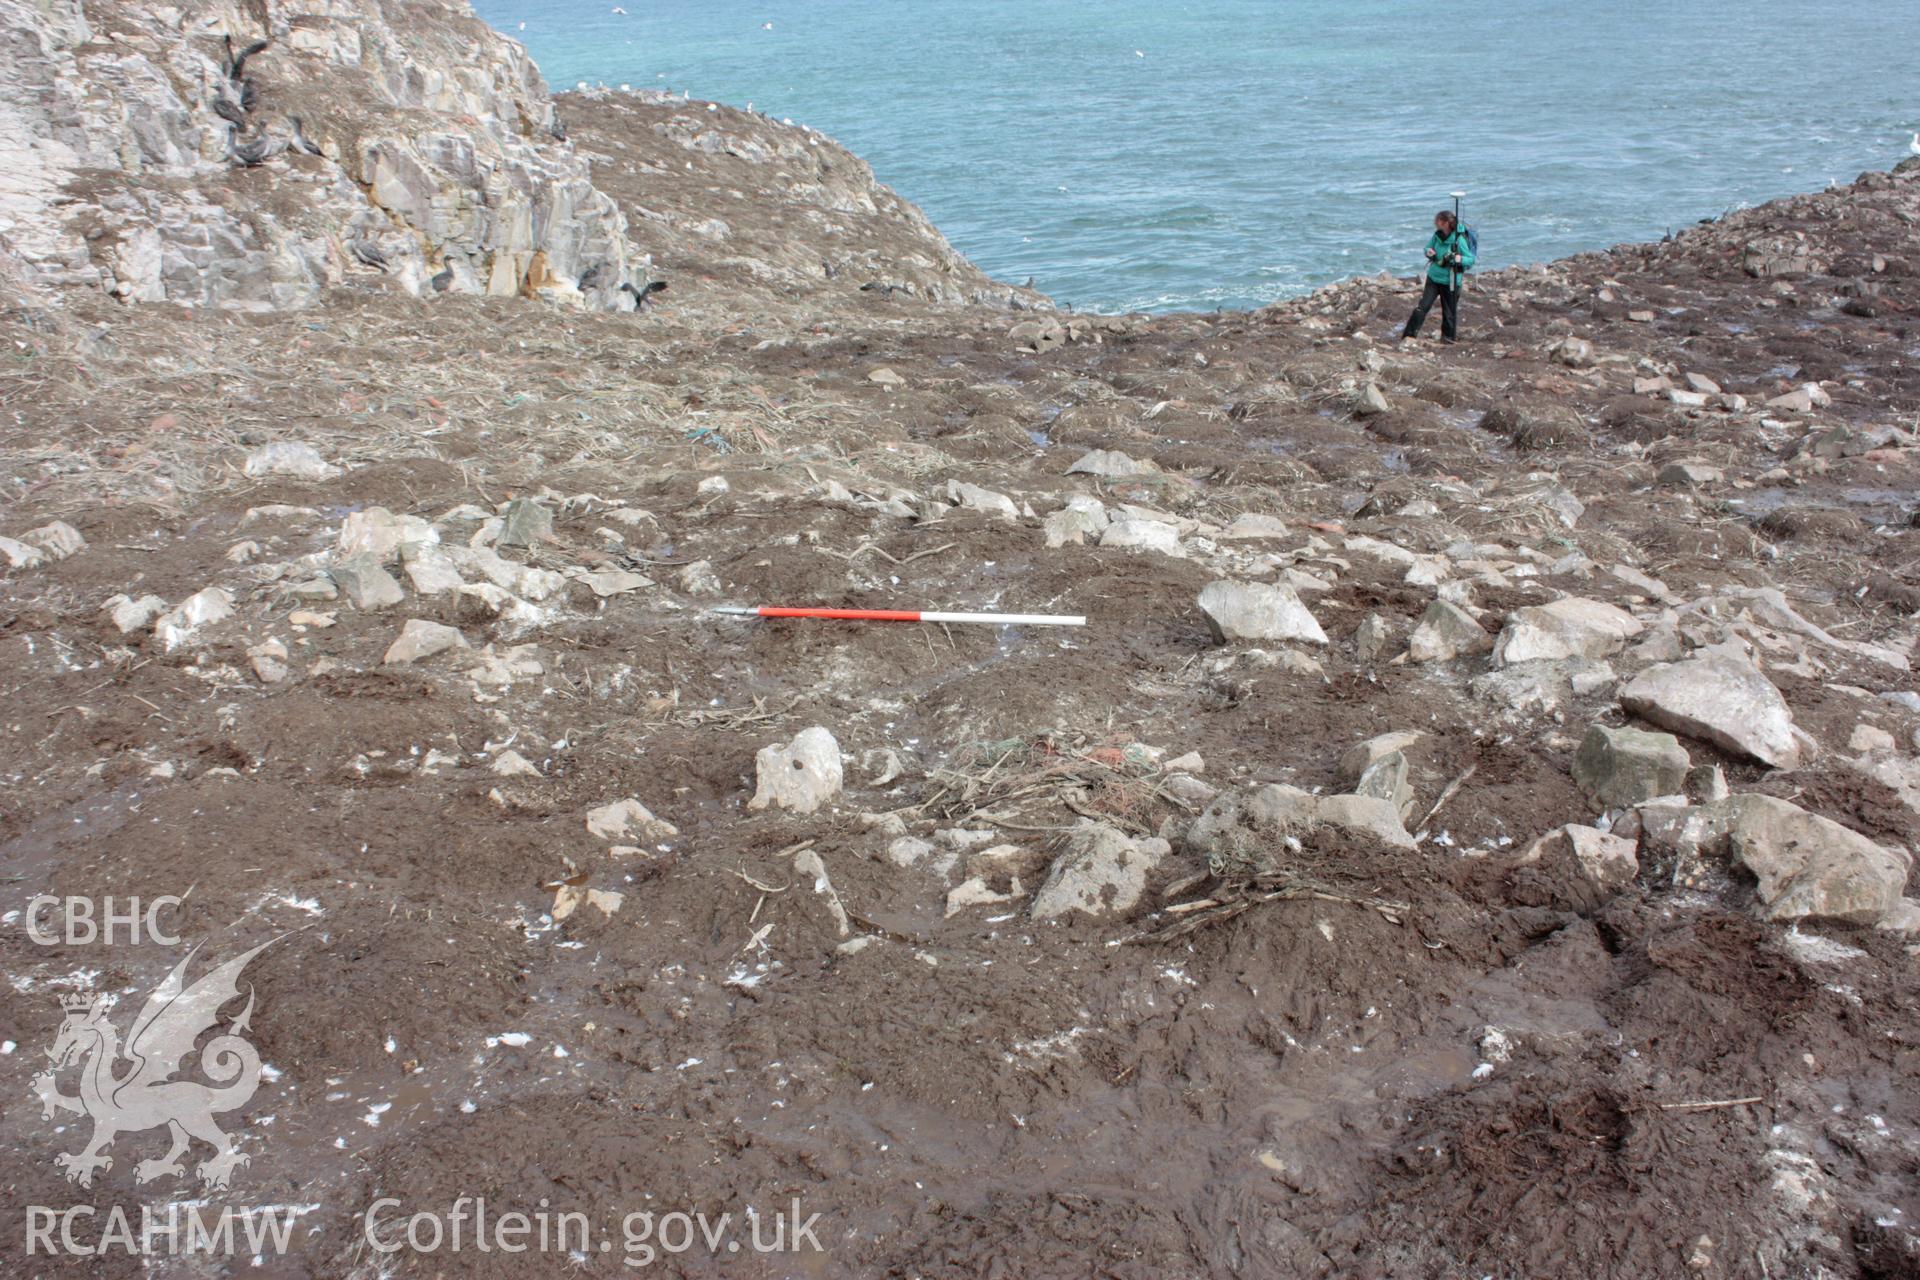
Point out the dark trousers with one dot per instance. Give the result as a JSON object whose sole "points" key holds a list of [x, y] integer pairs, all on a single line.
{"points": [[1449, 311]]}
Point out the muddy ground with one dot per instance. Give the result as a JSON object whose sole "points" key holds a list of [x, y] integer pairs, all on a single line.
{"points": [[1410, 1064]]}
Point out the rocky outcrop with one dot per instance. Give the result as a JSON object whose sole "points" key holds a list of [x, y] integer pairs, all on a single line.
{"points": [[372, 138]]}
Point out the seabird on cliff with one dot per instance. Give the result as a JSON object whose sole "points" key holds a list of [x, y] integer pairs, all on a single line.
{"points": [[591, 276], [235, 64], [442, 282], [226, 110], [300, 138], [249, 154], [641, 295], [1914, 146], [370, 254]]}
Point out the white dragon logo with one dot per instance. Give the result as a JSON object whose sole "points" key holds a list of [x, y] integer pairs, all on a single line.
{"points": [[146, 1095]]}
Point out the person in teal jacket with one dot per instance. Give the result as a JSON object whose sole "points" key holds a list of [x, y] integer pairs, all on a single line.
{"points": [[1448, 255]]}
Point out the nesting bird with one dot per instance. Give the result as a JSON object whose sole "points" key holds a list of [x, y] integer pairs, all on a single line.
{"points": [[369, 254], [641, 295]]}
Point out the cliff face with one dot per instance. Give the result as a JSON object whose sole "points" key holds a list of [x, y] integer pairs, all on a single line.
{"points": [[397, 140], [368, 135]]}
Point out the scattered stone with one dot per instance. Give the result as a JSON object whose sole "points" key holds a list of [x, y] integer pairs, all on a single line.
{"points": [[1148, 535], [1357, 759], [368, 586], [1721, 700], [20, 555], [978, 892], [429, 569], [1571, 627], [1110, 463], [1370, 402], [1103, 873], [711, 487], [972, 497], [1590, 865], [1446, 631], [1702, 383], [1617, 768], [174, 627], [130, 615], [1370, 639], [909, 851], [1543, 687], [380, 534], [1245, 831], [1575, 353], [801, 776], [1688, 475], [422, 639], [613, 582], [629, 820], [1806, 867], [525, 523], [289, 458], [1868, 739], [1083, 517], [269, 661], [58, 539], [1252, 525], [1387, 779], [511, 764], [1258, 611], [699, 579], [885, 377]]}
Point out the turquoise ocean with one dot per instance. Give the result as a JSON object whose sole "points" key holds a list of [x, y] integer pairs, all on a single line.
{"points": [[1144, 154]]}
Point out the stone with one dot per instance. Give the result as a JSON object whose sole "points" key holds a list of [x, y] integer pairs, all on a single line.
{"points": [[800, 776], [1370, 639], [380, 534], [614, 582], [1702, 383], [1357, 759], [21, 555], [885, 377], [1109, 463], [1370, 402], [429, 569], [699, 579], [628, 820], [1570, 627], [289, 458], [1616, 768], [1146, 535], [511, 764], [1446, 631], [1688, 475], [58, 539], [971, 497], [367, 585], [1718, 699], [1252, 525], [130, 615], [1868, 739], [422, 639], [524, 523], [1796, 401], [1258, 611], [1103, 874], [1687, 399], [1387, 779], [269, 661], [977, 892], [1542, 687], [1082, 518], [174, 627], [1575, 353], [1805, 867], [1592, 864], [909, 851], [1245, 831]]}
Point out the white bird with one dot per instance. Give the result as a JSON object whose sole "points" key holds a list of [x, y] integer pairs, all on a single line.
{"points": [[766, 26], [1138, 54], [523, 26], [1914, 146], [617, 9]]}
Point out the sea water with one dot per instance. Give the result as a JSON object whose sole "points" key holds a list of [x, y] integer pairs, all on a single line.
{"points": [[1148, 154]]}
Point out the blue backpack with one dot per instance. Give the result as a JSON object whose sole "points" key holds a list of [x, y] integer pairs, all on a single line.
{"points": [[1473, 241]]}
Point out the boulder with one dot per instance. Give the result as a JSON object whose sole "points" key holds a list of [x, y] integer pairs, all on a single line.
{"points": [[524, 523], [971, 497], [1369, 401], [1244, 831], [1357, 759], [1718, 699], [1446, 631], [1387, 779], [1103, 874], [1252, 525], [1258, 611], [801, 776], [1575, 353], [1580, 866], [58, 539], [380, 534], [1083, 517], [1616, 768], [1570, 627], [1688, 475], [1805, 867]]}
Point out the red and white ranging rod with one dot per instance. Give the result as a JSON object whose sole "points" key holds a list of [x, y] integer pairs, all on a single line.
{"points": [[908, 615]]}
